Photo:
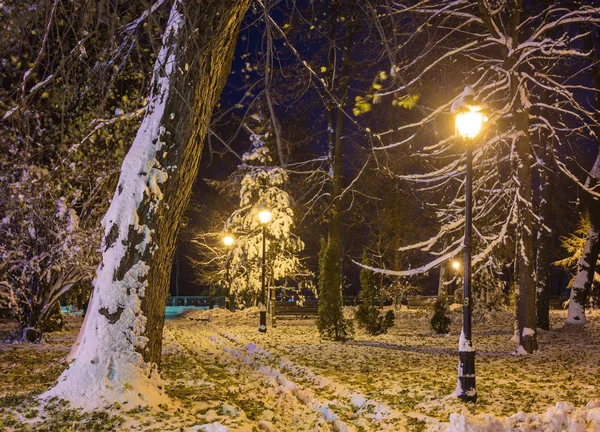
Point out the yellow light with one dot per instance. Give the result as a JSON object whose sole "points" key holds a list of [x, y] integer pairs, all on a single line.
{"points": [[228, 240], [264, 216], [468, 123], [455, 265]]}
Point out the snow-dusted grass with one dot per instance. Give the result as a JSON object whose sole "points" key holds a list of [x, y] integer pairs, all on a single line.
{"points": [[223, 373]]}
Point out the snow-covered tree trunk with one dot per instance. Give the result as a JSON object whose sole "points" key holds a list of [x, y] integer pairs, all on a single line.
{"points": [[543, 262], [587, 263], [526, 315], [120, 345], [442, 286], [526, 287]]}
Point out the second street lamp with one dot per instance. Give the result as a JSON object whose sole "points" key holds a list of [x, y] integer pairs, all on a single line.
{"points": [[469, 120], [264, 216]]}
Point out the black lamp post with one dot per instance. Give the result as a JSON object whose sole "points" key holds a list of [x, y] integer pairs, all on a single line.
{"points": [[228, 242], [264, 216], [469, 120]]}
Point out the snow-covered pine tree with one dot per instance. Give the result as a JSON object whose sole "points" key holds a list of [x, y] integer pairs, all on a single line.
{"points": [[118, 350], [263, 185]]}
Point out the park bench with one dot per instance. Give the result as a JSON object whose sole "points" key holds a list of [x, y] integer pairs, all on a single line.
{"points": [[420, 301], [291, 309]]}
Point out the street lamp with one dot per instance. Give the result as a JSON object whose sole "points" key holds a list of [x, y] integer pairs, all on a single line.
{"points": [[228, 241], [469, 120], [264, 216]]}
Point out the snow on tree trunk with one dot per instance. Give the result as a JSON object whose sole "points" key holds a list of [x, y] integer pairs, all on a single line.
{"points": [[542, 263], [526, 294], [587, 263], [120, 345], [442, 287]]}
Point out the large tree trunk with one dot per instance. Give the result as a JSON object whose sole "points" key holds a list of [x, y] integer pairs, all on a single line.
{"points": [[586, 266], [526, 311], [120, 347], [544, 235], [526, 288]]}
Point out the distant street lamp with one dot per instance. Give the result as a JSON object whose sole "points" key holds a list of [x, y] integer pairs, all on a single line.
{"points": [[228, 241], [469, 121], [456, 268], [264, 216]]}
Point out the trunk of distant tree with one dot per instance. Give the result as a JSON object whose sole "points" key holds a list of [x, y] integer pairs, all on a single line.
{"points": [[335, 212], [330, 304], [586, 267], [121, 343], [176, 271], [442, 287], [587, 263], [544, 236]]}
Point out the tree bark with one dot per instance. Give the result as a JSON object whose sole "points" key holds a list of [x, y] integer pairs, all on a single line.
{"points": [[121, 342], [544, 235], [526, 310], [442, 287]]}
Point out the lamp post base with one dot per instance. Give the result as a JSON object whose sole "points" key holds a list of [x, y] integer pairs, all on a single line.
{"points": [[263, 322], [466, 389]]}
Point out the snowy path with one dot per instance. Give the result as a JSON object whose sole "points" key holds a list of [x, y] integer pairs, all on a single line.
{"points": [[400, 381], [311, 402]]}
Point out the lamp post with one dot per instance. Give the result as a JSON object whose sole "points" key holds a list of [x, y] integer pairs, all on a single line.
{"points": [[264, 216], [228, 241], [469, 120]]}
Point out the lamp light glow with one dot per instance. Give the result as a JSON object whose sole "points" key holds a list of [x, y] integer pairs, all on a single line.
{"points": [[455, 265], [264, 216], [469, 123], [228, 240]]}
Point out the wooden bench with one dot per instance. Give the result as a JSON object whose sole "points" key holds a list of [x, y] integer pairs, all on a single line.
{"points": [[420, 302], [290, 309]]}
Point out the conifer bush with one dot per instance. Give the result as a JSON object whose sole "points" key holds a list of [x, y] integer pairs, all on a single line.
{"points": [[368, 315], [331, 321], [440, 322]]}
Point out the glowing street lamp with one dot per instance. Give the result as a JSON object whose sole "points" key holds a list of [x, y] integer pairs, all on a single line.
{"points": [[455, 265], [469, 122], [228, 240], [264, 216]]}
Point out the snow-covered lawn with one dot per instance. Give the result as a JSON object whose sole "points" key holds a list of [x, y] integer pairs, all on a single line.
{"points": [[226, 374]]}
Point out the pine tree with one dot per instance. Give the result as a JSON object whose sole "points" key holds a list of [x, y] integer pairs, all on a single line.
{"points": [[331, 321], [262, 185], [368, 315], [440, 322]]}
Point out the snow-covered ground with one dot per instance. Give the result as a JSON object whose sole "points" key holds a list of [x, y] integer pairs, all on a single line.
{"points": [[222, 374]]}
